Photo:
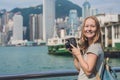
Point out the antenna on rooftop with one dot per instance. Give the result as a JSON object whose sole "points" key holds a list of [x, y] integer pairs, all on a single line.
{"points": [[55, 31]]}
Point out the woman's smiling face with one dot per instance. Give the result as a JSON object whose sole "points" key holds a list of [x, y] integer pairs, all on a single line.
{"points": [[90, 28]]}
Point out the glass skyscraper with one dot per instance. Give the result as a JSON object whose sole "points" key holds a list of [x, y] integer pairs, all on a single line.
{"points": [[73, 21], [86, 9]]}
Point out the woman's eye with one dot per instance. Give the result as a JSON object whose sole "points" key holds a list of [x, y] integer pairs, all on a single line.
{"points": [[86, 26], [92, 25]]}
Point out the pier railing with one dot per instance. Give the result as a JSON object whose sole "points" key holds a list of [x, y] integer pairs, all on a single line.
{"points": [[45, 74]]}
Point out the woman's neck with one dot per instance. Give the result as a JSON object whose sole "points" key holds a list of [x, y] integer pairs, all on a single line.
{"points": [[89, 41]]}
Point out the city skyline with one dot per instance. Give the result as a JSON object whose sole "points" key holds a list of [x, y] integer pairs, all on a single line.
{"points": [[105, 6]]}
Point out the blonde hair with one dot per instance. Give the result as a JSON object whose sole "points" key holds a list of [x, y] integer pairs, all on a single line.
{"points": [[96, 39]]}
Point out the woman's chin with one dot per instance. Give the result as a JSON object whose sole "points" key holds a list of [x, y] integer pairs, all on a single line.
{"points": [[90, 36]]}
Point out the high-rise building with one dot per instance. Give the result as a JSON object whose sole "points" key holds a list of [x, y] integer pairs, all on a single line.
{"points": [[17, 27], [40, 24], [86, 9], [93, 11], [36, 29], [48, 18], [73, 21], [32, 27], [0, 25], [5, 26]]}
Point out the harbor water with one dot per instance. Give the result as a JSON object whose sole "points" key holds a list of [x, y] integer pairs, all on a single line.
{"points": [[21, 60]]}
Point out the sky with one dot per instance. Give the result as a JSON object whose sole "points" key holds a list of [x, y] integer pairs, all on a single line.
{"points": [[103, 6]]}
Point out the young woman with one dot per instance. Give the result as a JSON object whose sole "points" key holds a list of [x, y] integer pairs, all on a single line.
{"points": [[89, 57]]}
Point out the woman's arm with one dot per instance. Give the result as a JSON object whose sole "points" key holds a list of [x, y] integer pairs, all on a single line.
{"points": [[76, 63], [75, 60], [87, 65]]}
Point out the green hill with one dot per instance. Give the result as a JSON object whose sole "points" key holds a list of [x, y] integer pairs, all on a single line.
{"points": [[62, 8]]}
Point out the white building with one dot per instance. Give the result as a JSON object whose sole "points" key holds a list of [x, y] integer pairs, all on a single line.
{"points": [[110, 25], [48, 18], [17, 29], [107, 18]]}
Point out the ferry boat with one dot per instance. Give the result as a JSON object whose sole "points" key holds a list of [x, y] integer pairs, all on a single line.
{"points": [[56, 45]]}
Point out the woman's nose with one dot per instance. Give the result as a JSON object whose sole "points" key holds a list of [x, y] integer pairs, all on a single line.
{"points": [[89, 27]]}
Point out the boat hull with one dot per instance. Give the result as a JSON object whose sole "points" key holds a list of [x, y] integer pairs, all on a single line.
{"points": [[58, 50]]}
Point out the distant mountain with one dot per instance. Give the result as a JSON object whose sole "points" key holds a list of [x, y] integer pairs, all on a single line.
{"points": [[2, 11], [62, 8], [27, 11]]}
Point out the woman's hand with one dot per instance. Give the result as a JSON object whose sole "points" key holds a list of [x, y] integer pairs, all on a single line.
{"points": [[75, 50], [68, 49]]}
